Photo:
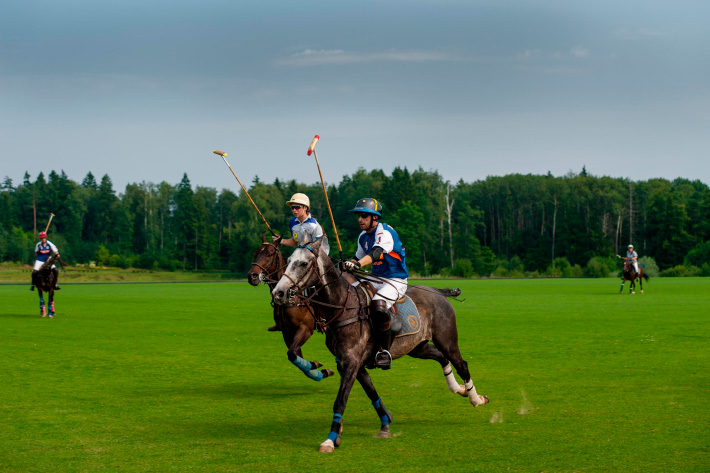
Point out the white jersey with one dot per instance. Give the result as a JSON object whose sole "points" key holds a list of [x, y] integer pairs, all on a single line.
{"points": [[308, 230]]}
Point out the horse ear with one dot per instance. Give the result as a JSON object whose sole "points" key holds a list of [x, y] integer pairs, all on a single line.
{"points": [[263, 237]]}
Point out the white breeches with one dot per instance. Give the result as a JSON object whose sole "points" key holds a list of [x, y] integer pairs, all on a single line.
{"points": [[388, 290], [636, 266], [39, 264]]}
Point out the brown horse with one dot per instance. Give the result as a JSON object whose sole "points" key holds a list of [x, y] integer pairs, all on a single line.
{"points": [[351, 337], [296, 320], [45, 281], [630, 274]]}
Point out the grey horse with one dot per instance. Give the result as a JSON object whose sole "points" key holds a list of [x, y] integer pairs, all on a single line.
{"points": [[349, 333]]}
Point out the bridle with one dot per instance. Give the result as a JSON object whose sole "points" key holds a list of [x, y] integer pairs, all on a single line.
{"points": [[265, 275], [300, 285]]}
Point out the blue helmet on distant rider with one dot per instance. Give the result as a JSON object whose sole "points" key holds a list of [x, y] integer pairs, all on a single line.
{"points": [[368, 206]]}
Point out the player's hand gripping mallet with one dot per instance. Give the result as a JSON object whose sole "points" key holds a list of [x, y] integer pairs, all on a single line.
{"points": [[312, 149], [224, 157], [51, 216]]}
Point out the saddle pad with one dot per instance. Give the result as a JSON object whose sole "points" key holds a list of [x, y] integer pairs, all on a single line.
{"points": [[408, 313]]}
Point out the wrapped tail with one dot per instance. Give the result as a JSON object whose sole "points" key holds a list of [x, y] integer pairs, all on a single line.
{"points": [[454, 292]]}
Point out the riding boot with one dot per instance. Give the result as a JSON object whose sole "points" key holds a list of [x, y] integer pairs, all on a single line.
{"points": [[34, 280], [381, 323], [55, 271]]}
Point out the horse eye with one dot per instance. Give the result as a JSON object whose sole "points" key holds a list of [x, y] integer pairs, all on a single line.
{"points": [[304, 264]]}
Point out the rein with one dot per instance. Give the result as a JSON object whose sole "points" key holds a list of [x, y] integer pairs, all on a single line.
{"points": [[298, 292]]}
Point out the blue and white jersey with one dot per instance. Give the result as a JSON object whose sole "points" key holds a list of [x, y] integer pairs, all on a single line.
{"points": [[392, 262], [44, 250], [309, 227]]}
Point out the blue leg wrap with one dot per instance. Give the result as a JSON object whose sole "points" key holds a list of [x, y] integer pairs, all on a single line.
{"points": [[337, 419], [302, 364], [382, 412], [315, 375], [305, 366]]}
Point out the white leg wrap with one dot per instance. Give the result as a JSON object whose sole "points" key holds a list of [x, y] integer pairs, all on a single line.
{"points": [[451, 382], [473, 396]]}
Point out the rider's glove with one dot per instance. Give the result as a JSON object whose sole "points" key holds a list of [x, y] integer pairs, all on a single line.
{"points": [[351, 265]]}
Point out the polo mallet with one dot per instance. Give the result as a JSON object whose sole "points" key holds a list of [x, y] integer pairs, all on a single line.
{"points": [[223, 154], [51, 216], [312, 149]]}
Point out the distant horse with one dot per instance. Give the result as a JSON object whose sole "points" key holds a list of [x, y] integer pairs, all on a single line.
{"points": [[630, 274], [45, 282], [351, 338], [295, 320]]}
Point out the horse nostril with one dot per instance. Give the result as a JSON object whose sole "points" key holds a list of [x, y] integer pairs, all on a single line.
{"points": [[279, 294], [253, 275]]}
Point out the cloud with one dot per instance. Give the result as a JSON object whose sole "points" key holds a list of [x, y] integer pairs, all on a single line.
{"points": [[579, 51], [530, 55], [312, 57]]}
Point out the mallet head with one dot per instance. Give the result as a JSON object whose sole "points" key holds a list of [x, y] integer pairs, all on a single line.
{"points": [[312, 147], [221, 153]]}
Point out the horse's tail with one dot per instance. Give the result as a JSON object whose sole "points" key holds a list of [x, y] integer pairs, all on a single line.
{"points": [[645, 276], [454, 292]]}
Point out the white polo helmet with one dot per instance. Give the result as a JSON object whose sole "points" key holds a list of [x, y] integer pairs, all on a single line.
{"points": [[299, 199], [631, 246]]}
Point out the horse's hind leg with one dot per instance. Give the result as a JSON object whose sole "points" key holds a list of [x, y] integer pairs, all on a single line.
{"points": [[42, 309], [385, 416], [426, 351], [448, 345], [309, 368], [623, 281]]}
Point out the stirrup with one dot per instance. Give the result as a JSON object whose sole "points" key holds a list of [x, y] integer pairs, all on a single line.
{"points": [[383, 359], [56, 287]]}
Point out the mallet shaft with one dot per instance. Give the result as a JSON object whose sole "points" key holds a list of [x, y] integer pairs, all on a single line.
{"points": [[327, 201], [51, 216], [223, 154]]}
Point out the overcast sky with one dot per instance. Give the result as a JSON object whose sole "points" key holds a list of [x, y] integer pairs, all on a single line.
{"points": [[145, 90]]}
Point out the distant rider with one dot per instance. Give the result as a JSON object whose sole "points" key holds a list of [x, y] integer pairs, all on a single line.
{"points": [[379, 245], [632, 258], [43, 249]]}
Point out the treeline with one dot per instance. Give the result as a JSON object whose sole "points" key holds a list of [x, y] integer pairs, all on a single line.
{"points": [[513, 224]]}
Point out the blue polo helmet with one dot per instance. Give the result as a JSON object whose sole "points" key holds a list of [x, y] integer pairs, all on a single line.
{"points": [[369, 206]]}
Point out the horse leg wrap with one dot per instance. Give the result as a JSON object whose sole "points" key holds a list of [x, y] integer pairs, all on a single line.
{"points": [[51, 307], [385, 415], [306, 366], [335, 428], [473, 396], [451, 382]]}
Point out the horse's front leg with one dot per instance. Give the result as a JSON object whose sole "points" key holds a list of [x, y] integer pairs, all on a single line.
{"points": [[309, 368], [348, 373], [42, 309], [385, 416], [51, 303], [623, 281]]}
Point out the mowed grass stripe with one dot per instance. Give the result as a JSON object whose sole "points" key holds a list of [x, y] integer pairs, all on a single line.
{"points": [[186, 377]]}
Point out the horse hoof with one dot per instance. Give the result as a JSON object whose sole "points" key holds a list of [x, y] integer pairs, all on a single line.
{"points": [[384, 432], [482, 400], [326, 373], [315, 365], [51, 316], [641, 291], [326, 447]]}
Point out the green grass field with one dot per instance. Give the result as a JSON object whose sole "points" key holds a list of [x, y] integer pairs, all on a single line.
{"points": [[185, 377]]}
